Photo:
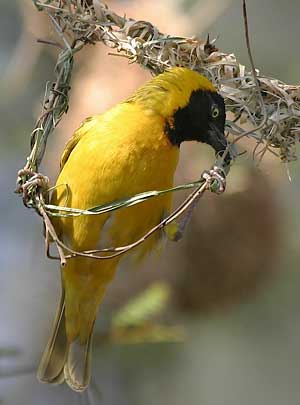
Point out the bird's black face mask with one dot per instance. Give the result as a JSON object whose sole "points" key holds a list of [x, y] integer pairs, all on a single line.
{"points": [[202, 120]]}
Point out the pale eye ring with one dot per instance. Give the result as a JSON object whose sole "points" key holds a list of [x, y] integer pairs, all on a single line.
{"points": [[215, 111]]}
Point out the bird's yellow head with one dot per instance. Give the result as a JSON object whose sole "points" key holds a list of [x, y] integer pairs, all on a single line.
{"points": [[190, 105]]}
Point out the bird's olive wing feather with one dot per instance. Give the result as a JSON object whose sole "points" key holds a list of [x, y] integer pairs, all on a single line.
{"points": [[84, 128]]}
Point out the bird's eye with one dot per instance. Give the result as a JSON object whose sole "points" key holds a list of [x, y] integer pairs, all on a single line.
{"points": [[215, 111]]}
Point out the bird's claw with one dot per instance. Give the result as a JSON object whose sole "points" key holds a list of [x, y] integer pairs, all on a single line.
{"points": [[216, 179]]}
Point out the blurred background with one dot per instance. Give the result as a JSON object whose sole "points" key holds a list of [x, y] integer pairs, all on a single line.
{"points": [[234, 279]]}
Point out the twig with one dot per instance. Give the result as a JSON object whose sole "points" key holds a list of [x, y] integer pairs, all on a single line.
{"points": [[263, 107], [209, 183], [49, 230], [262, 103]]}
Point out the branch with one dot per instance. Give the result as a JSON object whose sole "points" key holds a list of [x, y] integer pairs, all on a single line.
{"points": [[213, 180]]}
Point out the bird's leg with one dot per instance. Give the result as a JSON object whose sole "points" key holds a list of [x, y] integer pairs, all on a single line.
{"points": [[216, 179], [216, 182]]}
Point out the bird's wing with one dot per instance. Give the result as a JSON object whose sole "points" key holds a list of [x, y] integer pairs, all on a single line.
{"points": [[77, 136]]}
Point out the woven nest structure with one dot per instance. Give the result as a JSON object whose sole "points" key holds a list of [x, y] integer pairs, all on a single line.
{"points": [[270, 106]]}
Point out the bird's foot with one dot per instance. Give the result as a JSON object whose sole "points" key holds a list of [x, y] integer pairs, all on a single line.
{"points": [[216, 179]]}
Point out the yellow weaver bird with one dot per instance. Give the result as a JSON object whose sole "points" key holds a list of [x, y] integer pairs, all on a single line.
{"points": [[131, 148]]}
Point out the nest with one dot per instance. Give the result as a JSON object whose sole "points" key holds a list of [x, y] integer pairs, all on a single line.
{"points": [[270, 107], [90, 21]]}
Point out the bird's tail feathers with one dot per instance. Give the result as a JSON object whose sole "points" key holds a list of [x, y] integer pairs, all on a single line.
{"points": [[51, 366], [77, 370], [63, 361]]}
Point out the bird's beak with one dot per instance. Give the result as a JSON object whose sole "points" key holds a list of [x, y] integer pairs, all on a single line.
{"points": [[217, 140]]}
